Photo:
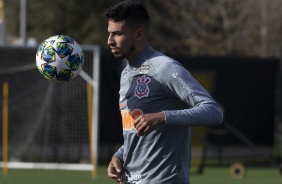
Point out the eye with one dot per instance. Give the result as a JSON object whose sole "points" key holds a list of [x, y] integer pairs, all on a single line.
{"points": [[117, 33]]}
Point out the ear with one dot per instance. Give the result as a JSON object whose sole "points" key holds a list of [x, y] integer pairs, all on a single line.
{"points": [[140, 34]]}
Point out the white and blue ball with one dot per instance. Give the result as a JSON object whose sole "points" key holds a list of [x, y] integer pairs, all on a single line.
{"points": [[59, 58]]}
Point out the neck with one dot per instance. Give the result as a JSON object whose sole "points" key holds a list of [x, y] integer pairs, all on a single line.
{"points": [[143, 56], [138, 51]]}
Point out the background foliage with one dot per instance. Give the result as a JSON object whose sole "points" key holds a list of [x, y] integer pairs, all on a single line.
{"points": [[194, 27]]}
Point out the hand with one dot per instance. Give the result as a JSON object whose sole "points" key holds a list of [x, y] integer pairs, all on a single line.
{"points": [[148, 122], [115, 169]]}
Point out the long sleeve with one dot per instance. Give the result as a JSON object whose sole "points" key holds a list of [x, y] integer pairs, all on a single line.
{"points": [[119, 153], [203, 110]]}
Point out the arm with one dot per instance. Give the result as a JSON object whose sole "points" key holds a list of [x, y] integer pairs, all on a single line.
{"points": [[115, 169], [115, 166], [178, 82], [203, 109]]}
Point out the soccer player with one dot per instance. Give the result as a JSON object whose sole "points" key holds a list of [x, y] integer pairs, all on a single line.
{"points": [[159, 102]]}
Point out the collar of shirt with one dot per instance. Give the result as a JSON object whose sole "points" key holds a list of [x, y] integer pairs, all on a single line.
{"points": [[143, 56]]}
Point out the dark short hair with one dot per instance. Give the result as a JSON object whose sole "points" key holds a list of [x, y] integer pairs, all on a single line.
{"points": [[131, 11]]}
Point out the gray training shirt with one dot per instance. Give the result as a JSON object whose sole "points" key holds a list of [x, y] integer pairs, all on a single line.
{"points": [[150, 83]]}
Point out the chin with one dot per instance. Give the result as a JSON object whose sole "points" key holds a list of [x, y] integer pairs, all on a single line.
{"points": [[119, 56]]}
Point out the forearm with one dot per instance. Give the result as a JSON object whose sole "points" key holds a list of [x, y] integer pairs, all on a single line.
{"points": [[206, 114], [119, 153]]}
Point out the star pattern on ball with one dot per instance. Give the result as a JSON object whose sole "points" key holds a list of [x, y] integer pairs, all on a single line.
{"points": [[54, 40], [60, 64], [76, 49]]}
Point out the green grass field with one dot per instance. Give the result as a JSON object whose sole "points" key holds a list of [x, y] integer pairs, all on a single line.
{"points": [[212, 175]]}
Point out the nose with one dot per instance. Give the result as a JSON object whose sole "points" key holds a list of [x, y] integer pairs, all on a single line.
{"points": [[110, 40]]}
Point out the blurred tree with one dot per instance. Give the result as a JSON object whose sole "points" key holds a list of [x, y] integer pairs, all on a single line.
{"points": [[215, 27], [273, 28], [194, 27], [82, 20]]}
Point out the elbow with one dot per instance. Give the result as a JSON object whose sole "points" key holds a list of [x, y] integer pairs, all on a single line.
{"points": [[218, 116]]}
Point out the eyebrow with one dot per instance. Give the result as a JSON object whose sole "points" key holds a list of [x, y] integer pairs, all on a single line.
{"points": [[115, 32]]}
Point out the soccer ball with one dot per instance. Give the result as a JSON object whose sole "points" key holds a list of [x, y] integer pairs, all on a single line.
{"points": [[59, 58]]}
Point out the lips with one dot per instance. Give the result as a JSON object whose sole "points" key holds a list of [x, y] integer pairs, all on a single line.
{"points": [[114, 50]]}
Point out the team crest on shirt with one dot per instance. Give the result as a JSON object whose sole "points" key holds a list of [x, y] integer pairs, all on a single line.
{"points": [[142, 88]]}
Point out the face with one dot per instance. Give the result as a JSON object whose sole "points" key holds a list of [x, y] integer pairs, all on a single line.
{"points": [[121, 40]]}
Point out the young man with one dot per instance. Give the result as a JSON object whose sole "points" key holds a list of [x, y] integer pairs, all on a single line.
{"points": [[159, 102]]}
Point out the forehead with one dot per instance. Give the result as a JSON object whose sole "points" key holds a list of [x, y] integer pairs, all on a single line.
{"points": [[116, 26]]}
